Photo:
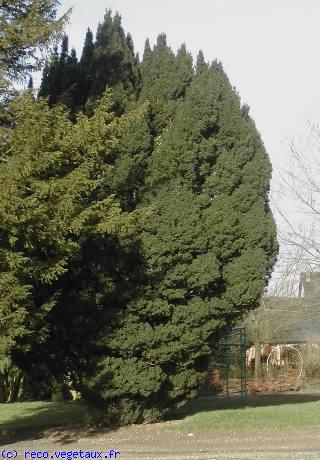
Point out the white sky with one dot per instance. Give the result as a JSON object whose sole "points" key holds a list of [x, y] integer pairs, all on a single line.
{"points": [[269, 50]]}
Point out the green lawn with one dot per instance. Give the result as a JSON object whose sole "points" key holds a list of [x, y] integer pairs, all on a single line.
{"points": [[200, 415], [258, 412], [37, 416]]}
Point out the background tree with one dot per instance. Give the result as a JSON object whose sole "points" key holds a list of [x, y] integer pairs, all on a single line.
{"points": [[108, 62], [300, 185], [282, 316], [86, 69], [61, 79], [297, 204], [114, 62], [28, 28], [65, 246]]}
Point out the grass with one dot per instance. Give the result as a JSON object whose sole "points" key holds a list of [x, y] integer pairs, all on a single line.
{"points": [[258, 412], [38, 416], [261, 412]]}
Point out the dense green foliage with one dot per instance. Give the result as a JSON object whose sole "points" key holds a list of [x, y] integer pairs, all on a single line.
{"points": [[209, 247], [109, 61], [26, 27], [61, 232], [165, 78], [61, 78], [130, 244]]}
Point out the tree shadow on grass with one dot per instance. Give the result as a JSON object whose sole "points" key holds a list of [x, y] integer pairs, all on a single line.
{"points": [[64, 422], [234, 402], [28, 421]]}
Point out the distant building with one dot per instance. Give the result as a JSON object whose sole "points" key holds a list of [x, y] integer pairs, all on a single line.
{"points": [[309, 284], [308, 301]]}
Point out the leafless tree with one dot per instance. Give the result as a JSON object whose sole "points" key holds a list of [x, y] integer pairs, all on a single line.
{"points": [[297, 204]]}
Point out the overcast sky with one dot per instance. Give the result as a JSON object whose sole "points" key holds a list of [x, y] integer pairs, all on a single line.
{"points": [[269, 49]]}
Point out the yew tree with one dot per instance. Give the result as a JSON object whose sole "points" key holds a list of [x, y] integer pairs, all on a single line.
{"points": [[209, 247]]}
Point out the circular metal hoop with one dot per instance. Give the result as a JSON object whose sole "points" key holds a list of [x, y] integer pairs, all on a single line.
{"points": [[288, 347]]}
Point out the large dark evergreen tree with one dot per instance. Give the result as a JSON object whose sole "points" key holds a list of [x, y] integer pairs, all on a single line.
{"points": [[165, 78], [62, 79], [85, 69], [108, 62], [209, 248], [114, 63]]}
